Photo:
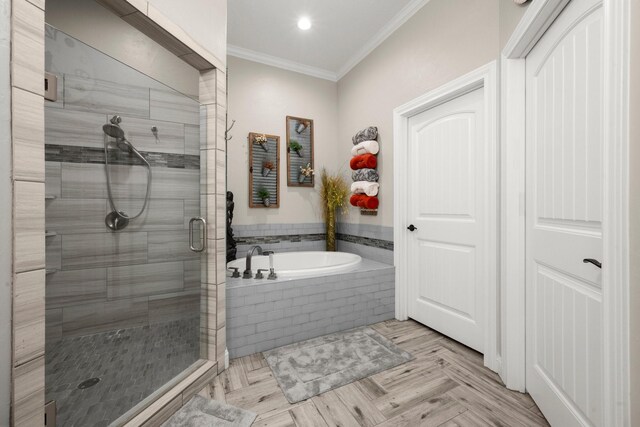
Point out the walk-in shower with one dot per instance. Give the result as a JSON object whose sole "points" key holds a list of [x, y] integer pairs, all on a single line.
{"points": [[116, 219], [123, 302]]}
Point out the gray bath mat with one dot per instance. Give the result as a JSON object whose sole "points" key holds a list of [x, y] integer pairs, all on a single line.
{"points": [[201, 412], [311, 367]]}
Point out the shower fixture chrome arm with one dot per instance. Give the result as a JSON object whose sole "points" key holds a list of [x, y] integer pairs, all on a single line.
{"points": [[117, 219]]}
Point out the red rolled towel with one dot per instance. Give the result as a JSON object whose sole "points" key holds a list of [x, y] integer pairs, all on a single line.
{"points": [[355, 199], [364, 201], [368, 161]]}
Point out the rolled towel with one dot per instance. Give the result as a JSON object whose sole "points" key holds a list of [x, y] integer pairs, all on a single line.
{"points": [[370, 175], [366, 202], [364, 187], [355, 198], [366, 134], [370, 147], [363, 161]]}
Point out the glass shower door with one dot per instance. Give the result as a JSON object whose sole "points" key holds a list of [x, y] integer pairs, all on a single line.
{"points": [[122, 185]]}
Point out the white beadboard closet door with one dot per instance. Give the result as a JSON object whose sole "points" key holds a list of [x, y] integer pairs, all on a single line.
{"points": [[564, 217], [447, 196]]}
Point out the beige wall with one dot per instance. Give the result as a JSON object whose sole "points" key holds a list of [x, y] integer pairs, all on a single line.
{"points": [[634, 214], [510, 15], [260, 98], [444, 40], [101, 29]]}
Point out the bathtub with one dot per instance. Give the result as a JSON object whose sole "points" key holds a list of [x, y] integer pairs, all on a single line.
{"points": [[302, 264]]}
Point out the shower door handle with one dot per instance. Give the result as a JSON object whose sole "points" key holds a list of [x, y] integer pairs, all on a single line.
{"points": [[203, 246]]}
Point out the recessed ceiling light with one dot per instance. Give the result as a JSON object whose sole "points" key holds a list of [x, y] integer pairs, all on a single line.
{"points": [[304, 23]]}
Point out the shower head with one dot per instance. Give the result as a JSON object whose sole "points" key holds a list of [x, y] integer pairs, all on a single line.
{"points": [[114, 131]]}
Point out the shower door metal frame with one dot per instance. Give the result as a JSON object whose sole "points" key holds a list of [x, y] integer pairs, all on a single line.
{"points": [[27, 70]]}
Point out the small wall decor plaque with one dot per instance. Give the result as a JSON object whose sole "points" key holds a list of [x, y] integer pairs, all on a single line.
{"points": [[264, 173], [300, 152]]}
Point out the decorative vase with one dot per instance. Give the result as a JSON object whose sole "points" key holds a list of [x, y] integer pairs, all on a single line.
{"points": [[331, 230], [266, 172], [266, 202], [301, 178], [265, 147]]}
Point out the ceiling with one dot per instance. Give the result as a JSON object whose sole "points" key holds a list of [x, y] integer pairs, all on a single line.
{"points": [[343, 32]]}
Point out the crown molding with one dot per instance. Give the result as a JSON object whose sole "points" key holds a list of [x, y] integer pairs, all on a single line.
{"points": [[401, 17], [398, 20], [285, 64]]}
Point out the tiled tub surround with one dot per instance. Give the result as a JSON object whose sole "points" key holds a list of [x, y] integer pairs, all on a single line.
{"points": [[369, 241], [265, 314]]}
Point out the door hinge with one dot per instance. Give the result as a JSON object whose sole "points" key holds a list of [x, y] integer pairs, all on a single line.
{"points": [[50, 414]]}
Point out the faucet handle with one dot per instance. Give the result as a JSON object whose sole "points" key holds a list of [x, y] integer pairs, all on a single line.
{"points": [[259, 274], [235, 273]]}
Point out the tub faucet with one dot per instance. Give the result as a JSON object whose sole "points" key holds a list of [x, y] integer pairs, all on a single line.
{"points": [[247, 272]]}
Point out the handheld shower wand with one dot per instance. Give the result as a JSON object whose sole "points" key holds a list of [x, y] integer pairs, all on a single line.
{"points": [[117, 219]]}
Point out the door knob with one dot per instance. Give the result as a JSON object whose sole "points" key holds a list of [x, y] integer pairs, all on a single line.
{"points": [[412, 227], [592, 261]]}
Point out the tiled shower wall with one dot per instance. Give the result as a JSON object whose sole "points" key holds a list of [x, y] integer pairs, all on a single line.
{"points": [[369, 241], [99, 280]]}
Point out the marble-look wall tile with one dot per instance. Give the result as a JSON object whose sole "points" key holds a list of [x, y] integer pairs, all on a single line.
{"points": [[77, 128], [221, 88], [28, 316], [207, 90], [72, 287], [53, 322], [221, 298], [160, 214], [192, 274], [170, 135], [171, 307], [88, 181], [191, 210], [221, 125], [221, 172], [170, 183], [74, 216], [104, 316], [28, 393], [221, 260], [53, 179], [144, 280], [53, 251], [221, 216], [167, 246], [27, 39], [173, 106], [99, 96], [192, 140], [104, 250], [208, 344], [28, 133], [28, 219]]}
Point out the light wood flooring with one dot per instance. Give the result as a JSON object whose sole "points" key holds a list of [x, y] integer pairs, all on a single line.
{"points": [[445, 385]]}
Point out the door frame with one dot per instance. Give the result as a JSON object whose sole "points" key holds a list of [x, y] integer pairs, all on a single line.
{"points": [[615, 279], [484, 77]]}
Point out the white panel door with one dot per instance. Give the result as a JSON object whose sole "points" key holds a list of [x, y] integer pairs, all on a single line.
{"points": [[564, 217], [447, 197]]}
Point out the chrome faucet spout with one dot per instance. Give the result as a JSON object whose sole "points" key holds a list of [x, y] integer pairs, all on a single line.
{"points": [[247, 274]]}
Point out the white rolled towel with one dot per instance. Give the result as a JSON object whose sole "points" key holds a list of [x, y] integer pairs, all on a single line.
{"points": [[365, 147], [365, 187]]}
